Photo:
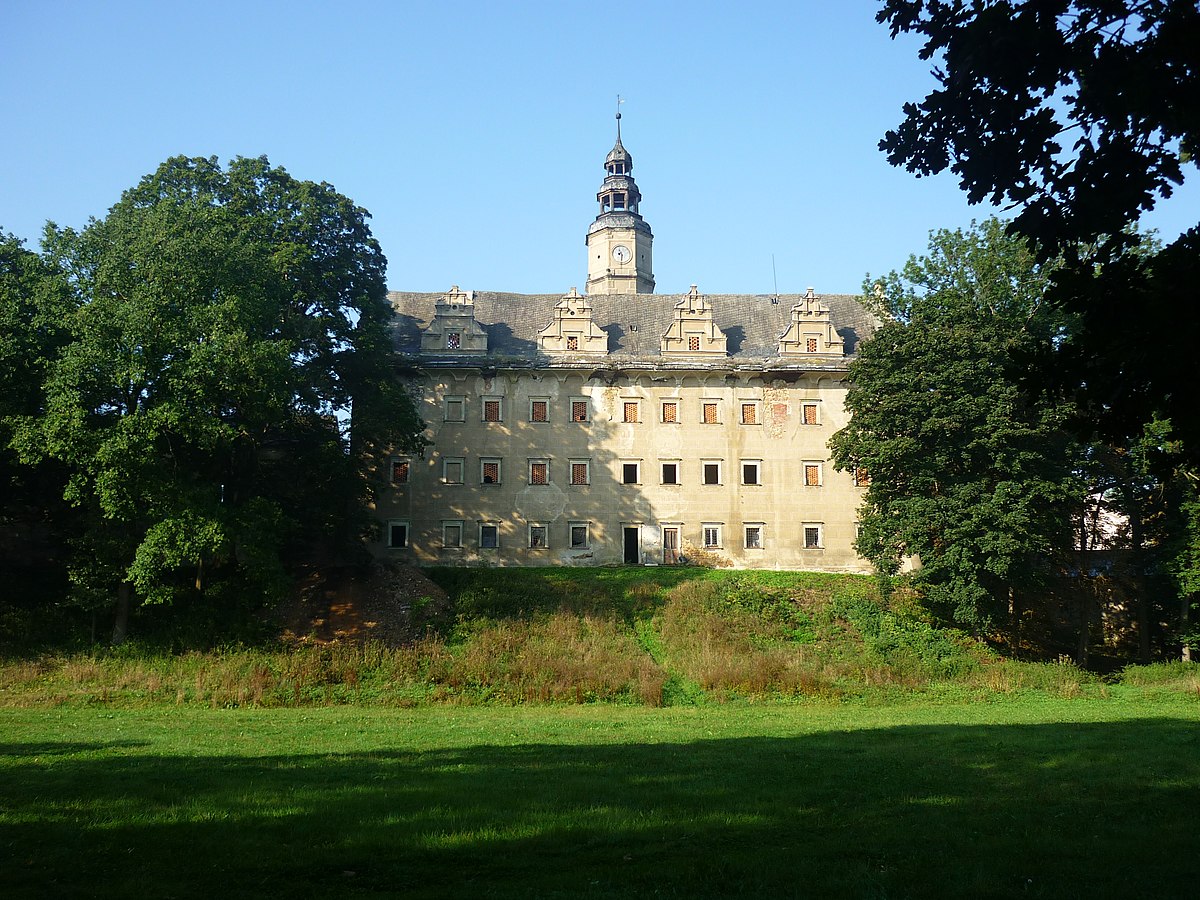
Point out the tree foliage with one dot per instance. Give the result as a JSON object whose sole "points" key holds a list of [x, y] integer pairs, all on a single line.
{"points": [[228, 322], [1083, 114], [966, 471]]}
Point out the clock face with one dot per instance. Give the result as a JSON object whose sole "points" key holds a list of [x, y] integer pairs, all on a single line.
{"points": [[621, 253]]}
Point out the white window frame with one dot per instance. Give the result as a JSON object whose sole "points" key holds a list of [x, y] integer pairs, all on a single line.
{"points": [[447, 462], [529, 472], [494, 525], [486, 460], [705, 401], [572, 463], [762, 535], [587, 535], [662, 464], [483, 405], [452, 525], [758, 413], [662, 415], [637, 471], [587, 406], [718, 529], [396, 461], [820, 472], [393, 523], [758, 472], [545, 530], [704, 464], [546, 401], [820, 527], [447, 402], [816, 407], [637, 410]]}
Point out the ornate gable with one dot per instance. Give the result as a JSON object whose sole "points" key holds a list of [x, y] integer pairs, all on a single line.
{"points": [[572, 329], [693, 333], [454, 329], [811, 332]]}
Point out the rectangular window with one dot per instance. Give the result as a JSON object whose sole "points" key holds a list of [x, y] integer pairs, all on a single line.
{"points": [[810, 345], [749, 413], [539, 410], [812, 537], [808, 413], [452, 470], [573, 342], [812, 474], [453, 340], [489, 535], [711, 537], [397, 534], [708, 412], [452, 535], [489, 470], [454, 409], [539, 537], [492, 409], [670, 411], [751, 471], [539, 471], [578, 533], [712, 473], [861, 477], [631, 473], [400, 469], [670, 473], [694, 343], [754, 536], [581, 471], [630, 411], [579, 410]]}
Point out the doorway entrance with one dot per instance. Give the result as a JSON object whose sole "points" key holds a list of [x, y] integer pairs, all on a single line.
{"points": [[633, 548], [670, 546]]}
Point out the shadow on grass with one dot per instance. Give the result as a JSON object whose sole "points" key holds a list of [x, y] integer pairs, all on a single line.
{"points": [[1071, 810]]}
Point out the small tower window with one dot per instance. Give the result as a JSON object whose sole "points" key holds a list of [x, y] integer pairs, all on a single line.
{"points": [[618, 201], [453, 340]]}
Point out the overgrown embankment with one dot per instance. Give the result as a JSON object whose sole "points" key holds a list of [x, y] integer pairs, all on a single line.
{"points": [[635, 636]]}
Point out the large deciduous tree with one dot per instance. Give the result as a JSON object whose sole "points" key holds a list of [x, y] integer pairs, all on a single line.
{"points": [[966, 471], [227, 373], [1082, 114]]}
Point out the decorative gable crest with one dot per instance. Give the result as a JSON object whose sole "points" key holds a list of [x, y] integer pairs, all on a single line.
{"points": [[811, 332], [693, 333], [454, 329], [572, 330]]}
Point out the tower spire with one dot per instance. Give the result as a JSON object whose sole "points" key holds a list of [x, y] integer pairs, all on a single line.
{"points": [[619, 241], [619, 102]]}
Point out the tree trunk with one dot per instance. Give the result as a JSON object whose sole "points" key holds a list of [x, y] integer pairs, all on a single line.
{"points": [[1014, 619], [1185, 609], [121, 624], [1139, 580], [1085, 627]]}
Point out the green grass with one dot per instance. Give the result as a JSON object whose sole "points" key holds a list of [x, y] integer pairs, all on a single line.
{"points": [[1023, 796]]}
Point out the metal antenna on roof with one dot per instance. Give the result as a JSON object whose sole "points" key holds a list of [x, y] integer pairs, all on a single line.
{"points": [[775, 280]]}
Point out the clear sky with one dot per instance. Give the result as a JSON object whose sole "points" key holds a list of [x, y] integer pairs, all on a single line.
{"points": [[475, 132]]}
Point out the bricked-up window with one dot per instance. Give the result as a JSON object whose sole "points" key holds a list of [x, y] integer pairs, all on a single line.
{"points": [[708, 412], [491, 410], [539, 537], [749, 413], [580, 471], [670, 411], [397, 534], [630, 411], [861, 477], [452, 470], [489, 535], [539, 410], [578, 535], [452, 535], [812, 474], [539, 471], [489, 471], [808, 412], [779, 411], [811, 345], [630, 473], [754, 536], [579, 411], [712, 473], [670, 473], [750, 471], [813, 539], [453, 340], [400, 469], [454, 410], [711, 537], [573, 343], [694, 343]]}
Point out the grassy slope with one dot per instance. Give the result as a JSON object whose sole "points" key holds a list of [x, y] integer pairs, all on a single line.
{"points": [[1029, 797]]}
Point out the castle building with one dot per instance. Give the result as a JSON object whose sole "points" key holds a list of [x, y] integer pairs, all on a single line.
{"points": [[623, 426]]}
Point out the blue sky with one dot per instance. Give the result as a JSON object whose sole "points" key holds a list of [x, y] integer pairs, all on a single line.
{"points": [[754, 131]]}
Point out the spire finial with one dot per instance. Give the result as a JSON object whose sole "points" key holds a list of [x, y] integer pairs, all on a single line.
{"points": [[619, 102]]}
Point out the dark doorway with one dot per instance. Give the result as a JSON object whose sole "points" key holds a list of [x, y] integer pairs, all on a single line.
{"points": [[633, 545]]}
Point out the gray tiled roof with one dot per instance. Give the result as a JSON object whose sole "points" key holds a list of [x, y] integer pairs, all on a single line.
{"points": [[635, 323]]}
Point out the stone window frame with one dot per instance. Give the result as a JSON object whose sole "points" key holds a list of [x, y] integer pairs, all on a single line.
{"points": [[715, 404], [572, 543], [662, 411], [637, 471], [807, 405], [450, 526], [448, 414], [450, 461], [758, 472], [809, 466], [400, 469], [587, 410], [628, 404], [484, 462], [538, 461], [489, 527], [712, 535], [545, 402], [760, 528], [719, 464], [862, 478], [544, 530], [488, 403], [453, 340], [815, 530], [677, 465], [756, 412], [587, 471], [390, 534]]}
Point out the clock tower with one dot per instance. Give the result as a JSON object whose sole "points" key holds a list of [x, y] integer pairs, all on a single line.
{"points": [[619, 242]]}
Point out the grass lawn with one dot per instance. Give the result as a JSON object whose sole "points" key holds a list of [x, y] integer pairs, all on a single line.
{"points": [[1028, 796]]}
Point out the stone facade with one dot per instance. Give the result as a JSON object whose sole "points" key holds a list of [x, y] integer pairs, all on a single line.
{"points": [[624, 426]]}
